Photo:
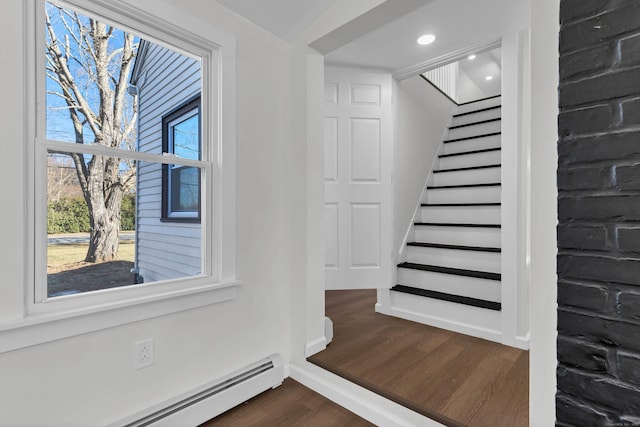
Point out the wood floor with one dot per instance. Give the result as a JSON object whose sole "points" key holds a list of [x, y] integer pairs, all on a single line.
{"points": [[289, 405], [453, 378]]}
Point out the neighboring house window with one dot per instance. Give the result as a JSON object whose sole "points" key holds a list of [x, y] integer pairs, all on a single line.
{"points": [[181, 184], [93, 184]]}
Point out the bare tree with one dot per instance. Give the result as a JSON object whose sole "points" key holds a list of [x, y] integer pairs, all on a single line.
{"points": [[62, 180], [91, 73]]}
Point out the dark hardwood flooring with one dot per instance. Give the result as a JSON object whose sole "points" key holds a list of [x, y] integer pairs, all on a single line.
{"points": [[289, 405], [453, 378]]}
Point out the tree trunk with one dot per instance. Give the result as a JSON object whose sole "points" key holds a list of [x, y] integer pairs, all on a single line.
{"points": [[104, 239], [103, 195]]}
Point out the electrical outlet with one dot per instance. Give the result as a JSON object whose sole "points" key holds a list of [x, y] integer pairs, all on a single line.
{"points": [[143, 353]]}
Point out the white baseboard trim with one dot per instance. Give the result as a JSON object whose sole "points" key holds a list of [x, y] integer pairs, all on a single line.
{"points": [[362, 402], [462, 328], [523, 342], [203, 403], [315, 346]]}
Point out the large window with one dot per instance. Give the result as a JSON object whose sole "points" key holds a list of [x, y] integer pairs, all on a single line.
{"points": [[181, 184], [107, 77]]}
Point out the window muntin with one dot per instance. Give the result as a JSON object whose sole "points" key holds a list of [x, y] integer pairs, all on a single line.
{"points": [[181, 184], [161, 254]]}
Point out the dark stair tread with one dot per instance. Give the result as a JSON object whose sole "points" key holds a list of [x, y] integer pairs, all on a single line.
{"points": [[455, 224], [491, 184], [475, 302], [481, 122], [478, 111], [486, 150], [480, 100], [473, 137], [460, 204], [455, 247], [468, 168], [449, 270]]}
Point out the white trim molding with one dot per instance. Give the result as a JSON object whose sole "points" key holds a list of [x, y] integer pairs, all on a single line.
{"points": [[362, 402], [430, 64], [315, 346]]}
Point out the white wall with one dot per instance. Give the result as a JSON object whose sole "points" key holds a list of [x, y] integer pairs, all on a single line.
{"points": [[544, 214], [467, 89], [421, 117], [89, 379]]}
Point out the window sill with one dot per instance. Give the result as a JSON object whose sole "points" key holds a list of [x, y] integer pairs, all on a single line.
{"points": [[42, 328]]}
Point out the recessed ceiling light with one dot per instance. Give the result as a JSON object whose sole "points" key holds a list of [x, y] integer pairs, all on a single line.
{"points": [[488, 78], [426, 39], [471, 57]]}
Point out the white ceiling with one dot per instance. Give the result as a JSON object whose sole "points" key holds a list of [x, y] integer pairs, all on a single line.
{"points": [[485, 64], [284, 18], [456, 24]]}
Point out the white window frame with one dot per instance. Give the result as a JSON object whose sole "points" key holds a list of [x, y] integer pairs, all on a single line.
{"points": [[45, 319]]}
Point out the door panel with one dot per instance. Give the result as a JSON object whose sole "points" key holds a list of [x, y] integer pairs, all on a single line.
{"points": [[358, 198]]}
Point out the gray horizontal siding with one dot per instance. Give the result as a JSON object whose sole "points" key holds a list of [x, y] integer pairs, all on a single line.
{"points": [[164, 250]]}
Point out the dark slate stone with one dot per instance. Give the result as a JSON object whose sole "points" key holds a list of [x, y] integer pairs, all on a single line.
{"points": [[574, 413], [582, 237], [594, 60], [628, 305], [628, 239], [582, 354], [623, 398], [586, 120], [630, 50], [617, 146], [628, 177], [631, 112], [574, 9], [613, 333], [600, 208], [590, 297], [612, 23], [628, 421], [596, 178], [600, 269], [629, 367], [600, 88]]}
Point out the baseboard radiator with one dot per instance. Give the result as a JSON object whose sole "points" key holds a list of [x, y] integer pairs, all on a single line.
{"points": [[212, 399]]}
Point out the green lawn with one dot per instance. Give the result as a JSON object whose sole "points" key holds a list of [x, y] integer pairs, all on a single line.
{"points": [[58, 255]]}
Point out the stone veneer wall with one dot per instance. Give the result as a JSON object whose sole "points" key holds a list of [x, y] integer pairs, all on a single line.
{"points": [[599, 214]]}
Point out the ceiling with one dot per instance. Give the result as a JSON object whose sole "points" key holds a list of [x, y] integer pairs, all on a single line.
{"points": [[477, 69], [284, 18], [456, 23]]}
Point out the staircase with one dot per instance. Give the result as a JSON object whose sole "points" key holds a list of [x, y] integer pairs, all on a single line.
{"points": [[451, 274]]}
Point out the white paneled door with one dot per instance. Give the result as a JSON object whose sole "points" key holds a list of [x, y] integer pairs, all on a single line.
{"points": [[358, 194]]}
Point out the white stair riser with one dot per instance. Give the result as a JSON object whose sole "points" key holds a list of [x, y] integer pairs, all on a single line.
{"points": [[470, 160], [474, 130], [472, 144], [473, 176], [455, 258], [478, 105], [461, 318], [463, 236], [471, 287], [461, 214], [476, 117], [464, 195]]}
